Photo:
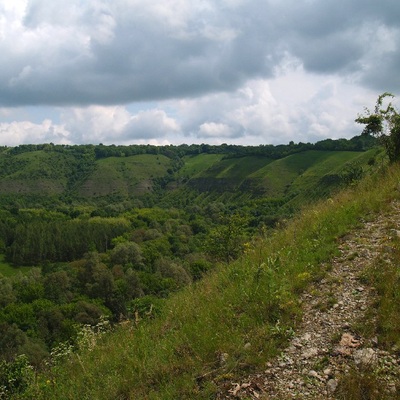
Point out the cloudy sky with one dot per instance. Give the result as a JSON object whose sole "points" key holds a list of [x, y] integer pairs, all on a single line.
{"points": [[193, 71]]}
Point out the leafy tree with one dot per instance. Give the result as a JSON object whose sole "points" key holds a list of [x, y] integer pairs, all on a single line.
{"points": [[225, 241], [56, 286], [7, 294], [172, 270], [383, 123], [11, 339], [127, 253]]}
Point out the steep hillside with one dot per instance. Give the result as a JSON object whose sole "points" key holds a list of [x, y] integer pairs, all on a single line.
{"points": [[295, 178], [126, 176], [166, 175]]}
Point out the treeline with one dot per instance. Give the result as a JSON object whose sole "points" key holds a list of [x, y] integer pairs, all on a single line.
{"points": [[95, 152]]}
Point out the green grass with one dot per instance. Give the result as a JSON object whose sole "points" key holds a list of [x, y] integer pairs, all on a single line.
{"points": [[299, 172], [237, 168], [8, 270], [125, 175], [195, 165], [253, 301]]}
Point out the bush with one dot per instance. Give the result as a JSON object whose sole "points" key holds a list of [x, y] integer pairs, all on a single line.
{"points": [[15, 376]]}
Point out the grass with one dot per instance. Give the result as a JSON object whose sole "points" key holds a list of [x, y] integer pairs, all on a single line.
{"points": [[7, 270], [125, 175], [195, 165], [245, 311], [384, 275]]}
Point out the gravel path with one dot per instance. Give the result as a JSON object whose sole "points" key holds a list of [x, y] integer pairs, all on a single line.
{"points": [[326, 346]]}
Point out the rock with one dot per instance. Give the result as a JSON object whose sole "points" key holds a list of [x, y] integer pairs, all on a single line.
{"points": [[313, 373], [365, 357], [282, 365], [316, 375], [309, 353], [291, 349], [306, 337], [332, 385], [247, 346], [327, 372], [223, 358], [347, 343]]}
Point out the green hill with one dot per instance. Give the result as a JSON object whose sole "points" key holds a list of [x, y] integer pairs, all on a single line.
{"points": [[94, 173], [126, 176]]}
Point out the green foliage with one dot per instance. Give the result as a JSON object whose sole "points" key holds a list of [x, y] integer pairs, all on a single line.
{"points": [[50, 175], [254, 300], [127, 253], [384, 123], [225, 242], [15, 377], [384, 275], [127, 226]]}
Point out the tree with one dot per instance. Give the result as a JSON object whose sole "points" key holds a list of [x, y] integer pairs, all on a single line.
{"points": [[383, 123], [127, 253], [225, 242]]}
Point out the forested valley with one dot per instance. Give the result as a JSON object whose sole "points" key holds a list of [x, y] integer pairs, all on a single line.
{"points": [[92, 232]]}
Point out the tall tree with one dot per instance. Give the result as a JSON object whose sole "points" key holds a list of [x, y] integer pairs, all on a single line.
{"points": [[383, 123]]}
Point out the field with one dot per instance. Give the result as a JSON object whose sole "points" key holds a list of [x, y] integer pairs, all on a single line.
{"points": [[8, 270]]}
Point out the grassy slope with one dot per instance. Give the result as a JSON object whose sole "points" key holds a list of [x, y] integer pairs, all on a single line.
{"points": [[195, 165], [240, 179], [210, 175], [302, 170], [126, 175], [253, 301], [36, 172]]}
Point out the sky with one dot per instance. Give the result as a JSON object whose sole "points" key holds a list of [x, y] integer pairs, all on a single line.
{"points": [[245, 72]]}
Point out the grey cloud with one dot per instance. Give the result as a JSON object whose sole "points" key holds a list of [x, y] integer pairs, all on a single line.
{"points": [[119, 52]]}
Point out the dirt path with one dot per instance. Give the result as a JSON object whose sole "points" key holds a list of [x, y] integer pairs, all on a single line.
{"points": [[326, 345]]}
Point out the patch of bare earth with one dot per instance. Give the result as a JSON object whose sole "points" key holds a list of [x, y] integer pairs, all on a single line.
{"points": [[328, 345]]}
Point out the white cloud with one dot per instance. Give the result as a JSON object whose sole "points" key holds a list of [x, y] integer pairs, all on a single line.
{"points": [[26, 132], [243, 71], [115, 124]]}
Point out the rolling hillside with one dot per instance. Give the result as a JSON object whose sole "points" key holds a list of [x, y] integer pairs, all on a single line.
{"points": [[90, 174]]}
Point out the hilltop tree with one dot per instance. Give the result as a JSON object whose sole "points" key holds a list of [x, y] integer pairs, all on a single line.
{"points": [[383, 123]]}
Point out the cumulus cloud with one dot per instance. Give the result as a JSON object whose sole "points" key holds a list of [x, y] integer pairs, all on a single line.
{"points": [[115, 124], [25, 132], [246, 71], [100, 52]]}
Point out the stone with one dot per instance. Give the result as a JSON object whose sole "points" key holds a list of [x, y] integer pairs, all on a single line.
{"points": [[309, 353], [313, 374], [332, 385], [347, 344], [365, 357], [306, 337], [223, 358]]}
